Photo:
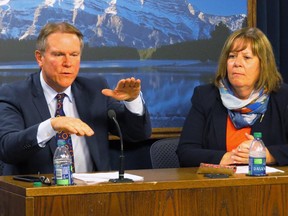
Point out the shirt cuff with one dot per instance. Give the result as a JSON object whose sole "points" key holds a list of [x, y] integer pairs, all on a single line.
{"points": [[136, 106], [45, 133]]}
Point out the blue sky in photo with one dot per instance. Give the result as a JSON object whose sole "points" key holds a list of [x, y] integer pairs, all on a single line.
{"points": [[221, 7]]}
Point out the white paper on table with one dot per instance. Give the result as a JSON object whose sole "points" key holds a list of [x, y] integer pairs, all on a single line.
{"points": [[94, 178], [244, 170]]}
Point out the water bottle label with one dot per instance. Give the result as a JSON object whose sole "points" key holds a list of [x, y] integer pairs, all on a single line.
{"points": [[63, 175], [258, 161], [257, 166]]}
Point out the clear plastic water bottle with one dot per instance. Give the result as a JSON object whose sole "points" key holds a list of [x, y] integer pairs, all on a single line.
{"points": [[62, 164], [257, 156]]}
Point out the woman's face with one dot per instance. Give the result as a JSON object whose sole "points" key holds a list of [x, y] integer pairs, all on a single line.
{"points": [[243, 69]]}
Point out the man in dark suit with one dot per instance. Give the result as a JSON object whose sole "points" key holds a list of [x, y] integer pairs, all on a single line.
{"points": [[27, 109]]}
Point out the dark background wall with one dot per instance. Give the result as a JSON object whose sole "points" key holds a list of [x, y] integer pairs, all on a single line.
{"points": [[272, 19]]}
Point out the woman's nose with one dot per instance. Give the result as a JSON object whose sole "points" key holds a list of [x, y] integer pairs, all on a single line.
{"points": [[237, 61]]}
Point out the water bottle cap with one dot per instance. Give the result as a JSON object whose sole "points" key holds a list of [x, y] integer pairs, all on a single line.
{"points": [[257, 135]]}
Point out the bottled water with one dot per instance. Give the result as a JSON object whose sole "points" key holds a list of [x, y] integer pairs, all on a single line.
{"points": [[62, 164], [257, 156]]}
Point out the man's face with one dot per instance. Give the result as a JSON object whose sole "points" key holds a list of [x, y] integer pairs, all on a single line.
{"points": [[60, 62]]}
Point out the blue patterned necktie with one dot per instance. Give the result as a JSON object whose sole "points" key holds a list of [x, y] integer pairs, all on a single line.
{"points": [[63, 135]]}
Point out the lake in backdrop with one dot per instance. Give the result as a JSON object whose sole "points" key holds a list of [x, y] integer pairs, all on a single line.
{"points": [[167, 85]]}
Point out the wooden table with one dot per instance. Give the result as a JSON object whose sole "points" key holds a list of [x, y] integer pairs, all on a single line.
{"points": [[163, 192]]}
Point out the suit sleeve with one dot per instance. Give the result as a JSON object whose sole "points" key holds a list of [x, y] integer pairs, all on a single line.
{"points": [[16, 141], [134, 127]]}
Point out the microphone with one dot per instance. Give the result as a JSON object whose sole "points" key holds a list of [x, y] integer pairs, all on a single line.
{"points": [[121, 179]]}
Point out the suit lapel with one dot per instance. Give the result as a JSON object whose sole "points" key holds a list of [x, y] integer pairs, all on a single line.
{"points": [[39, 100], [219, 124], [81, 101], [40, 103]]}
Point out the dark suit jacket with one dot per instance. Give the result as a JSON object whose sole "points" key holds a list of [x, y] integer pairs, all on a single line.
{"points": [[203, 138], [23, 107]]}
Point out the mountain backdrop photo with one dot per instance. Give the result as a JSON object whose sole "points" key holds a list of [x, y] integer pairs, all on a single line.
{"points": [[171, 45]]}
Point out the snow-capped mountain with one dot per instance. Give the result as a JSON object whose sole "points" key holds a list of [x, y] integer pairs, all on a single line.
{"points": [[134, 23]]}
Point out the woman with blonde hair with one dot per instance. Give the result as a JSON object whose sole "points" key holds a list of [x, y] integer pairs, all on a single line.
{"points": [[247, 96]]}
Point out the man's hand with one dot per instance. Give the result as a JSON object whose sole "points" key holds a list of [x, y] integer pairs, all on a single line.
{"points": [[126, 89], [71, 126]]}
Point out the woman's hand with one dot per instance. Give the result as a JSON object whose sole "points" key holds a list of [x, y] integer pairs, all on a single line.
{"points": [[239, 155]]}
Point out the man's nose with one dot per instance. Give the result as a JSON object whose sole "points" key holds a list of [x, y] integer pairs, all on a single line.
{"points": [[67, 61]]}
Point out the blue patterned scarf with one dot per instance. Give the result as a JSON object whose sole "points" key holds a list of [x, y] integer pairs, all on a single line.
{"points": [[243, 113]]}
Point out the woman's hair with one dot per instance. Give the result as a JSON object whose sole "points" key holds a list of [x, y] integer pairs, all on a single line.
{"points": [[51, 28], [269, 77]]}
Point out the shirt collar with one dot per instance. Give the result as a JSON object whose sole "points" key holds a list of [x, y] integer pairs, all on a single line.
{"points": [[50, 93]]}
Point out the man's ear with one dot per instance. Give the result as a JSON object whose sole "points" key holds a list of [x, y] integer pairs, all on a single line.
{"points": [[38, 57]]}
